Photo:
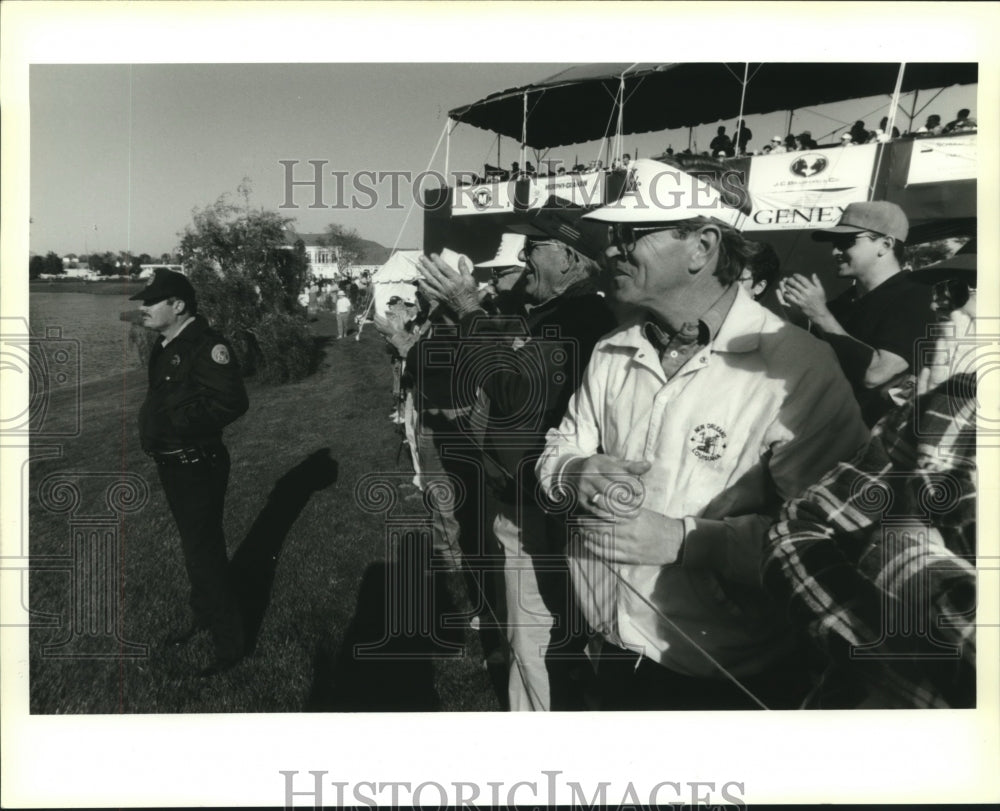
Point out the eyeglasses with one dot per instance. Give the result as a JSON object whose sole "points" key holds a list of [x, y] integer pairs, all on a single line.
{"points": [[531, 246], [843, 242], [624, 236], [745, 278]]}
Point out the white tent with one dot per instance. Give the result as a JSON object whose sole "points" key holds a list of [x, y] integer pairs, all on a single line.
{"points": [[394, 277]]}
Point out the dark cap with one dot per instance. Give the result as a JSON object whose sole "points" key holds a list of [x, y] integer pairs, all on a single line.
{"points": [[879, 216], [165, 284], [560, 219]]}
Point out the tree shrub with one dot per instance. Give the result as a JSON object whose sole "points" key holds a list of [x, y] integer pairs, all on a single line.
{"points": [[248, 280]]}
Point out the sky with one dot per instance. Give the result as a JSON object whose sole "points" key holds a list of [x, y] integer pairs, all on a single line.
{"points": [[122, 154]]}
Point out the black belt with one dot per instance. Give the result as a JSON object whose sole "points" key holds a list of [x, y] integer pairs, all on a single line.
{"points": [[185, 456]]}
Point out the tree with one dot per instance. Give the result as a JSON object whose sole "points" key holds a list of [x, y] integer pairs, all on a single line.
{"points": [[920, 256], [52, 264], [36, 266], [248, 281], [102, 263], [139, 261], [345, 242]]}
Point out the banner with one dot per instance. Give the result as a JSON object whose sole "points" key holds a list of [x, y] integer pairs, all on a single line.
{"points": [[494, 197], [936, 160], [580, 189], [806, 190]]}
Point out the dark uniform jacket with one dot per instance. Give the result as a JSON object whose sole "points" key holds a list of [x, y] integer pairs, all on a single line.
{"points": [[195, 390]]}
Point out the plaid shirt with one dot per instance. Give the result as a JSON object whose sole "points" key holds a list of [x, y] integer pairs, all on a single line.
{"points": [[877, 560]]}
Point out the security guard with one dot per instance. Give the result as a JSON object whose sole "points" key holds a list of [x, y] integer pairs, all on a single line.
{"points": [[195, 390]]}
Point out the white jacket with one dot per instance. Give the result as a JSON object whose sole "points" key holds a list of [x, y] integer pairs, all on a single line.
{"points": [[749, 421]]}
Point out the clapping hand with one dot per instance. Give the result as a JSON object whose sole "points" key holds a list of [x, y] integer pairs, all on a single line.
{"points": [[455, 290]]}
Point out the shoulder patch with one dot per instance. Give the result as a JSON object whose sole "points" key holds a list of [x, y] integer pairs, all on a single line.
{"points": [[220, 354]]}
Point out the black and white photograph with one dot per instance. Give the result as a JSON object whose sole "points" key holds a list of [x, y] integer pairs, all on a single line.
{"points": [[441, 404]]}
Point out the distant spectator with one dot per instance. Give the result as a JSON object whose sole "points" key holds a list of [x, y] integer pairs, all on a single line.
{"points": [[963, 122], [721, 143], [778, 145], [859, 134], [846, 139], [743, 136], [670, 149], [806, 141], [766, 150], [790, 143], [343, 315], [884, 124], [530, 168], [932, 126], [626, 160]]}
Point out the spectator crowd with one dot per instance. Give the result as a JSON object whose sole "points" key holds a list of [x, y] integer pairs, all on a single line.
{"points": [[665, 496], [737, 145]]}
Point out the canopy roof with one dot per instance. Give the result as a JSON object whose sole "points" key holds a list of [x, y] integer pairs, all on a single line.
{"points": [[580, 104]]}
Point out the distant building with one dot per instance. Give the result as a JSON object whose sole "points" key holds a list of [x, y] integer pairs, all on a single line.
{"points": [[322, 260], [145, 271]]}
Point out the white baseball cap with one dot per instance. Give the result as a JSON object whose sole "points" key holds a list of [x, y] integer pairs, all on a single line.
{"points": [[659, 192], [507, 254]]}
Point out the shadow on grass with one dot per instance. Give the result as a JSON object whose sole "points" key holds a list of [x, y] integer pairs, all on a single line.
{"points": [[256, 560], [386, 659]]}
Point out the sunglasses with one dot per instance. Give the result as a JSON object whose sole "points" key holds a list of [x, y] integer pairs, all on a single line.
{"points": [[624, 236], [843, 242]]}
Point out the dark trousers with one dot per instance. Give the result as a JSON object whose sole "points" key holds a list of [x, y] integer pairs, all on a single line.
{"points": [[627, 681], [196, 493]]}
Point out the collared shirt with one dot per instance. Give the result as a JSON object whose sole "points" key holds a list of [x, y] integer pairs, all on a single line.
{"points": [[675, 349], [184, 325], [877, 559], [751, 419]]}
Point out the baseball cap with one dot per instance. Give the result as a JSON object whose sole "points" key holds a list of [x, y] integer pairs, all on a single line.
{"points": [[879, 216], [777, 138], [661, 192], [507, 253], [165, 284], [562, 220]]}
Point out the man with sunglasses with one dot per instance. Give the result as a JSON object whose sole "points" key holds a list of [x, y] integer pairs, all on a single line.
{"points": [[692, 424], [874, 326], [528, 367]]}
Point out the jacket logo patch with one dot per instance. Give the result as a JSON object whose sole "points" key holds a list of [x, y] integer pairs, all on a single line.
{"points": [[175, 360], [708, 442], [220, 354]]}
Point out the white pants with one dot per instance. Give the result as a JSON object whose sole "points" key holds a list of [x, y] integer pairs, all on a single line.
{"points": [[529, 621]]}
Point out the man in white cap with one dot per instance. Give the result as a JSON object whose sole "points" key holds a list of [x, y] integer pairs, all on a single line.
{"points": [[778, 145], [708, 410], [343, 314], [874, 326]]}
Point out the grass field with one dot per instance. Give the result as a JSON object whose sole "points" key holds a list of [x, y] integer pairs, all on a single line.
{"points": [[319, 576]]}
